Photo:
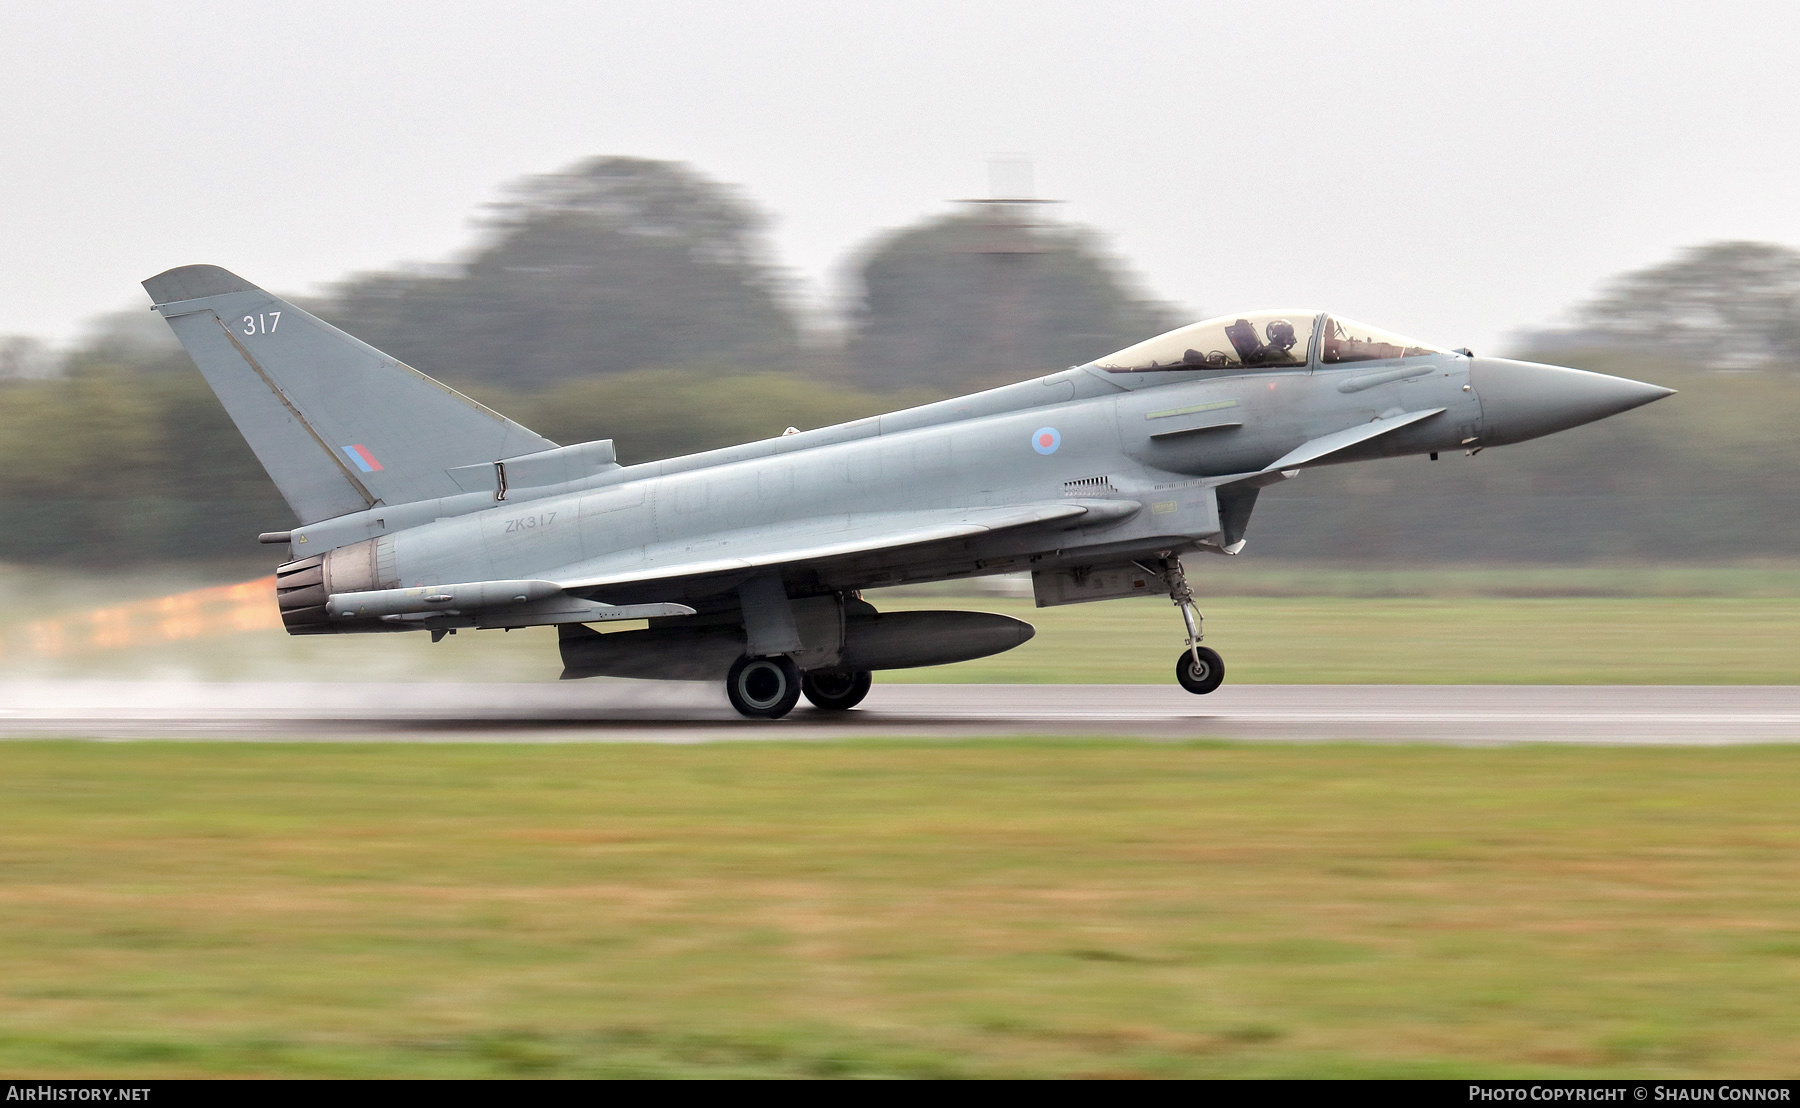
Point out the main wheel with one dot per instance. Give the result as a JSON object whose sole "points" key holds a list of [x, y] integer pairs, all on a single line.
{"points": [[763, 688], [1201, 677], [837, 692]]}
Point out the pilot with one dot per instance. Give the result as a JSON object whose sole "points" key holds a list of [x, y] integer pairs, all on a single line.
{"points": [[1278, 350]]}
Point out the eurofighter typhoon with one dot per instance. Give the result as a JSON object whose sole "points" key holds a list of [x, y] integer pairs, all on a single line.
{"points": [[421, 510]]}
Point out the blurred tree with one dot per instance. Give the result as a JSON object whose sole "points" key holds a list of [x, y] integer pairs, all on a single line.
{"points": [[611, 265], [1705, 475], [1722, 305], [978, 297], [123, 455], [138, 339], [23, 358], [115, 463]]}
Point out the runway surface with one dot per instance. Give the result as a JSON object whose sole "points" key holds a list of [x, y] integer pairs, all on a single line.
{"points": [[674, 712]]}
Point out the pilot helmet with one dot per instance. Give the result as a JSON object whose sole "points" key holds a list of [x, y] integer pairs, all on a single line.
{"points": [[1281, 334]]}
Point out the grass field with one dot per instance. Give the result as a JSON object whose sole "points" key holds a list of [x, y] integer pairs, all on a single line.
{"points": [[908, 909]]}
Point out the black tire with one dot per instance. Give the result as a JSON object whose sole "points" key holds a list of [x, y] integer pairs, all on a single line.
{"points": [[763, 688], [839, 691], [1209, 675]]}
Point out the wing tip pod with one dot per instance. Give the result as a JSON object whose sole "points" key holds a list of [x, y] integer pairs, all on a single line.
{"points": [[192, 282]]}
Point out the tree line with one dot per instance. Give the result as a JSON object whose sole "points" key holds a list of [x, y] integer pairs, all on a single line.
{"points": [[638, 300]]}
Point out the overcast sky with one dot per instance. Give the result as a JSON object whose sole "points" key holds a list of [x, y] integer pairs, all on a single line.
{"points": [[1454, 170]]}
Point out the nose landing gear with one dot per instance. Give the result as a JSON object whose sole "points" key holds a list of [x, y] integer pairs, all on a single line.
{"points": [[1199, 669]]}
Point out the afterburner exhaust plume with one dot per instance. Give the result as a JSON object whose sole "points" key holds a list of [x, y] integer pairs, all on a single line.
{"points": [[199, 613]]}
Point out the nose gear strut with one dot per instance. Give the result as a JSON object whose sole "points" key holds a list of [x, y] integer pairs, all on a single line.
{"points": [[1200, 669], [1183, 596]]}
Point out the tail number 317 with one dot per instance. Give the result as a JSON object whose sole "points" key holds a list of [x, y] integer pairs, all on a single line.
{"points": [[263, 324]]}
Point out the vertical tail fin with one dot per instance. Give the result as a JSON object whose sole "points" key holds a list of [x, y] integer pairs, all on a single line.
{"points": [[339, 425]]}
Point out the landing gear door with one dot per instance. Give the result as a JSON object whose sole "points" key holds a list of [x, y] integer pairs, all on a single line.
{"points": [[1080, 584], [1190, 509]]}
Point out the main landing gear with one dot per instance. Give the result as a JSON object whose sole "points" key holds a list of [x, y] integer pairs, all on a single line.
{"points": [[768, 688], [837, 692], [1199, 668], [763, 688]]}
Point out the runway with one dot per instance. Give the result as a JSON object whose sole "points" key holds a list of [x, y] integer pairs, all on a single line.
{"points": [[678, 712]]}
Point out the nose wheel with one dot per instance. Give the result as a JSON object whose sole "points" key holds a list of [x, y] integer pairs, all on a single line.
{"points": [[1199, 669]]}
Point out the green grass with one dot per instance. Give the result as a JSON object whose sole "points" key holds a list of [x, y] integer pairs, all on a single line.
{"points": [[897, 909]]}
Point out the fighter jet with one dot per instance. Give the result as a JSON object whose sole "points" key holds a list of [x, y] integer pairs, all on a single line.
{"points": [[421, 510]]}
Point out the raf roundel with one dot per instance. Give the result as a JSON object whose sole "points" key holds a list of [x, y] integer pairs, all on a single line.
{"points": [[1045, 440]]}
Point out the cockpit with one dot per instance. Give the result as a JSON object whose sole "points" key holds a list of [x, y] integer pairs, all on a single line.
{"points": [[1262, 340], [1346, 340], [1228, 342]]}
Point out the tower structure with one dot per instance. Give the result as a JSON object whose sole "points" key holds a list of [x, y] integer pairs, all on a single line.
{"points": [[1005, 234]]}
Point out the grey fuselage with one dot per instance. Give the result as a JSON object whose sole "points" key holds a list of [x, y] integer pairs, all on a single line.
{"points": [[1159, 442]]}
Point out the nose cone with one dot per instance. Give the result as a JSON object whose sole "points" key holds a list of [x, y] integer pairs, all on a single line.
{"points": [[1522, 400]]}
